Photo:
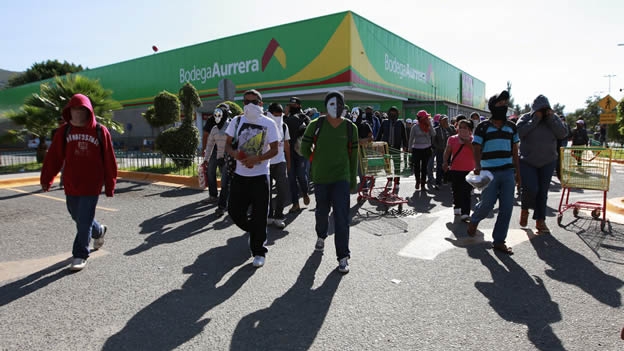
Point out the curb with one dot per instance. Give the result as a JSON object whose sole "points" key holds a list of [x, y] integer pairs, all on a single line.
{"points": [[616, 205]]}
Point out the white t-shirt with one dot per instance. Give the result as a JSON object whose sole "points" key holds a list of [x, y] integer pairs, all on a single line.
{"points": [[280, 157], [253, 139]]}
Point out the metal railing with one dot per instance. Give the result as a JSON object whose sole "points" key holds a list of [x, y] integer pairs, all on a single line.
{"points": [[15, 161]]}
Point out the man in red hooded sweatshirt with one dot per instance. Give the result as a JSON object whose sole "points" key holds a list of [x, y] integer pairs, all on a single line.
{"points": [[86, 148]]}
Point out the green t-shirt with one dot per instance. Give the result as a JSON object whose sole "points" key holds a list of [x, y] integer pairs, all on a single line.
{"points": [[331, 162]]}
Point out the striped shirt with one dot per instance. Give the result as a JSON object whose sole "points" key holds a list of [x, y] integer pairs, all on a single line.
{"points": [[496, 144]]}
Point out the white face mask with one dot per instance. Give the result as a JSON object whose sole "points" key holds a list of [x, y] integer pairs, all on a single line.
{"points": [[354, 118], [332, 107], [217, 120], [253, 112]]}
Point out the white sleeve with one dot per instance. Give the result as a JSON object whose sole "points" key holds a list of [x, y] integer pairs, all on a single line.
{"points": [[272, 135], [287, 134]]}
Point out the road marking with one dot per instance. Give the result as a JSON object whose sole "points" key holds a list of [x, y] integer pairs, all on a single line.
{"points": [[15, 269], [436, 238], [57, 199]]}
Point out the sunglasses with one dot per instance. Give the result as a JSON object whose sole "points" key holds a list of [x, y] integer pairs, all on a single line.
{"points": [[247, 102]]}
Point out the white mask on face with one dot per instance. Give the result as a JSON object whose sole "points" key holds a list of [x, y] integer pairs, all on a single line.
{"points": [[217, 120], [354, 117], [253, 112], [332, 108]]}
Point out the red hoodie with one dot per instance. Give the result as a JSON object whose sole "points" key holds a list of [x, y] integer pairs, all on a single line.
{"points": [[88, 165]]}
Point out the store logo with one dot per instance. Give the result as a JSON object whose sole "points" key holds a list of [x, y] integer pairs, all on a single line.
{"points": [[273, 50]]}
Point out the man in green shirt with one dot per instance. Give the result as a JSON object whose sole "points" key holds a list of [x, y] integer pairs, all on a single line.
{"points": [[333, 154]]}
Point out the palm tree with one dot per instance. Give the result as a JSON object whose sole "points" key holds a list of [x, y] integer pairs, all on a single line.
{"points": [[41, 111]]}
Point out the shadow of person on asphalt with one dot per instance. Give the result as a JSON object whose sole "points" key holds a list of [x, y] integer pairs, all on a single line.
{"points": [[420, 201], [176, 317], [293, 320], [570, 267], [127, 187], [518, 297], [162, 229], [33, 282]]}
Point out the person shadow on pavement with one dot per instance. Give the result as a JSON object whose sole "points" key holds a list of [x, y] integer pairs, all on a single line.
{"points": [[570, 267], [293, 320], [33, 282], [176, 317], [162, 229]]}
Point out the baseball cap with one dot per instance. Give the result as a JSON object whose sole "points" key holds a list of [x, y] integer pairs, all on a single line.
{"points": [[409, 120], [295, 100], [580, 121]]}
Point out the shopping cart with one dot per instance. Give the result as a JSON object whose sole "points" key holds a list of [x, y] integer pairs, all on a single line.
{"points": [[585, 168], [376, 159]]}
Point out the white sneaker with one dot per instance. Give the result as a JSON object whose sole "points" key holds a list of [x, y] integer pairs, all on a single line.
{"points": [[99, 242], [457, 211], [465, 217], [77, 264], [320, 244], [343, 265], [258, 261]]}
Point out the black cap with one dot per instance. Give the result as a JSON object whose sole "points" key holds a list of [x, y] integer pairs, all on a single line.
{"points": [[504, 95], [295, 100]]}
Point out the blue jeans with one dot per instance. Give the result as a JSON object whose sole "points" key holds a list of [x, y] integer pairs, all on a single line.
{"points": [[82, 211], [297, 176], [211, 174], [225, 187], [535, 184], [336, 196], [502, 187]]}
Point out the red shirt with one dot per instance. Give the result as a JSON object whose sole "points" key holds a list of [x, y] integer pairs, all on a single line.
{"points": [[464, 161]]}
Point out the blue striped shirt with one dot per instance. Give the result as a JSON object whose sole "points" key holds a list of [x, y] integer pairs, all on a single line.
{"points": [[496, 144]]}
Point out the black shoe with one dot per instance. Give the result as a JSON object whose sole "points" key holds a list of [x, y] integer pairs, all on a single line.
{"points": [[219, 212]]}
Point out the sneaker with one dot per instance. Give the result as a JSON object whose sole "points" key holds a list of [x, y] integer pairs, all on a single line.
{"points": [[210, 200], [219, 212], [320, 244], [294, 209], [270, 221], [279, 223], [306, 199], [457, 211], [343, 265], [541, 227], [465, 217], [99, 242], [77, 264], [258, 261]]}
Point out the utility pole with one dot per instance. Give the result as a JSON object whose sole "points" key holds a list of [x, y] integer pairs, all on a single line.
{"points": [[609, 76]]}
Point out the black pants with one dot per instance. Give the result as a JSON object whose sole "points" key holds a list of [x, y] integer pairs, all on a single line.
{"points": [[245, 193], [420, 159], [461, 191]]}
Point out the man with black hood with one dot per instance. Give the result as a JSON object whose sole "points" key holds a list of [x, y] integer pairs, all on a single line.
{"points": [[297, 174], [215, 144], [373, 120], [392, 131], [539, 132], [495, 149], [331, 141]]}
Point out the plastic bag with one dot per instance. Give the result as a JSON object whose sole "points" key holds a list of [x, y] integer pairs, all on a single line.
{"points": [[480, 181], [201, 175]]}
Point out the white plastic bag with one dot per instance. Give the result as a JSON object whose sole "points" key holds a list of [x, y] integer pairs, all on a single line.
{"points": [[480, 181]]}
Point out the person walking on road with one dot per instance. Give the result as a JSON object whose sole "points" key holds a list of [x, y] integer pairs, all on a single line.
{"points": [[256, 143], [421, 137], [280, 164], [495, 146], [540, 131], [332, 144], [459, 152], [86, 149], [217, 138], [297, 173]]}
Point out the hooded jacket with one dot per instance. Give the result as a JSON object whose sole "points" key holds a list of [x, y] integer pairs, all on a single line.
{"points": [[539, 136], [88, 164]]}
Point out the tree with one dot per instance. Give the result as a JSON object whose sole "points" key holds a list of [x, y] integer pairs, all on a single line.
{"points": [[182, 141], [165, 111], [40, 113], [44, 70]]}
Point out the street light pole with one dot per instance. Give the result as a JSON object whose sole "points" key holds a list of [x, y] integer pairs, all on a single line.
{"points": [[609, 76]]}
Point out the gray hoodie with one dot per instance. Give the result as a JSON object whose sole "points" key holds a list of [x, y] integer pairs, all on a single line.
{"points": [[538, 136]]}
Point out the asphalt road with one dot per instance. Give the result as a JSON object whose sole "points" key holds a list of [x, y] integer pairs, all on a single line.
{"points": [[173, 276]]}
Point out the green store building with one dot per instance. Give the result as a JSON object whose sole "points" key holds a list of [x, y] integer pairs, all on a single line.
{"points": [[342, 51]]}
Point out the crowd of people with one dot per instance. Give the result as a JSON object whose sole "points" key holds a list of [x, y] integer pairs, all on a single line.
{"points": [[270, 158]]}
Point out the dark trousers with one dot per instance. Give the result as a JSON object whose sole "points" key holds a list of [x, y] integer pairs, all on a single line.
{"points": [[461, 191], [251, 193], [420, 159], [211, 174], [297, 176]]}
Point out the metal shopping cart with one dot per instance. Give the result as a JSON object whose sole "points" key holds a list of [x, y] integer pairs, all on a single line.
{"points": [[585, 168], [376, 159]]}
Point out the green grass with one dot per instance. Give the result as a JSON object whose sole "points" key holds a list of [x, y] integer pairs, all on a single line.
{"points": [[21, 167]]}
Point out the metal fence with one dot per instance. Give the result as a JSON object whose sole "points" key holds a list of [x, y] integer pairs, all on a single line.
{"points": [[15, 161]]}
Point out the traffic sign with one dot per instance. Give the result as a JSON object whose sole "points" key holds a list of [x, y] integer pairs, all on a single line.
{"points": [[607, 103], [607, 118]]}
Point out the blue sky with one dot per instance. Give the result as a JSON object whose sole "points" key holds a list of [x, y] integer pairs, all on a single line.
{"points": [[562, 49]]}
